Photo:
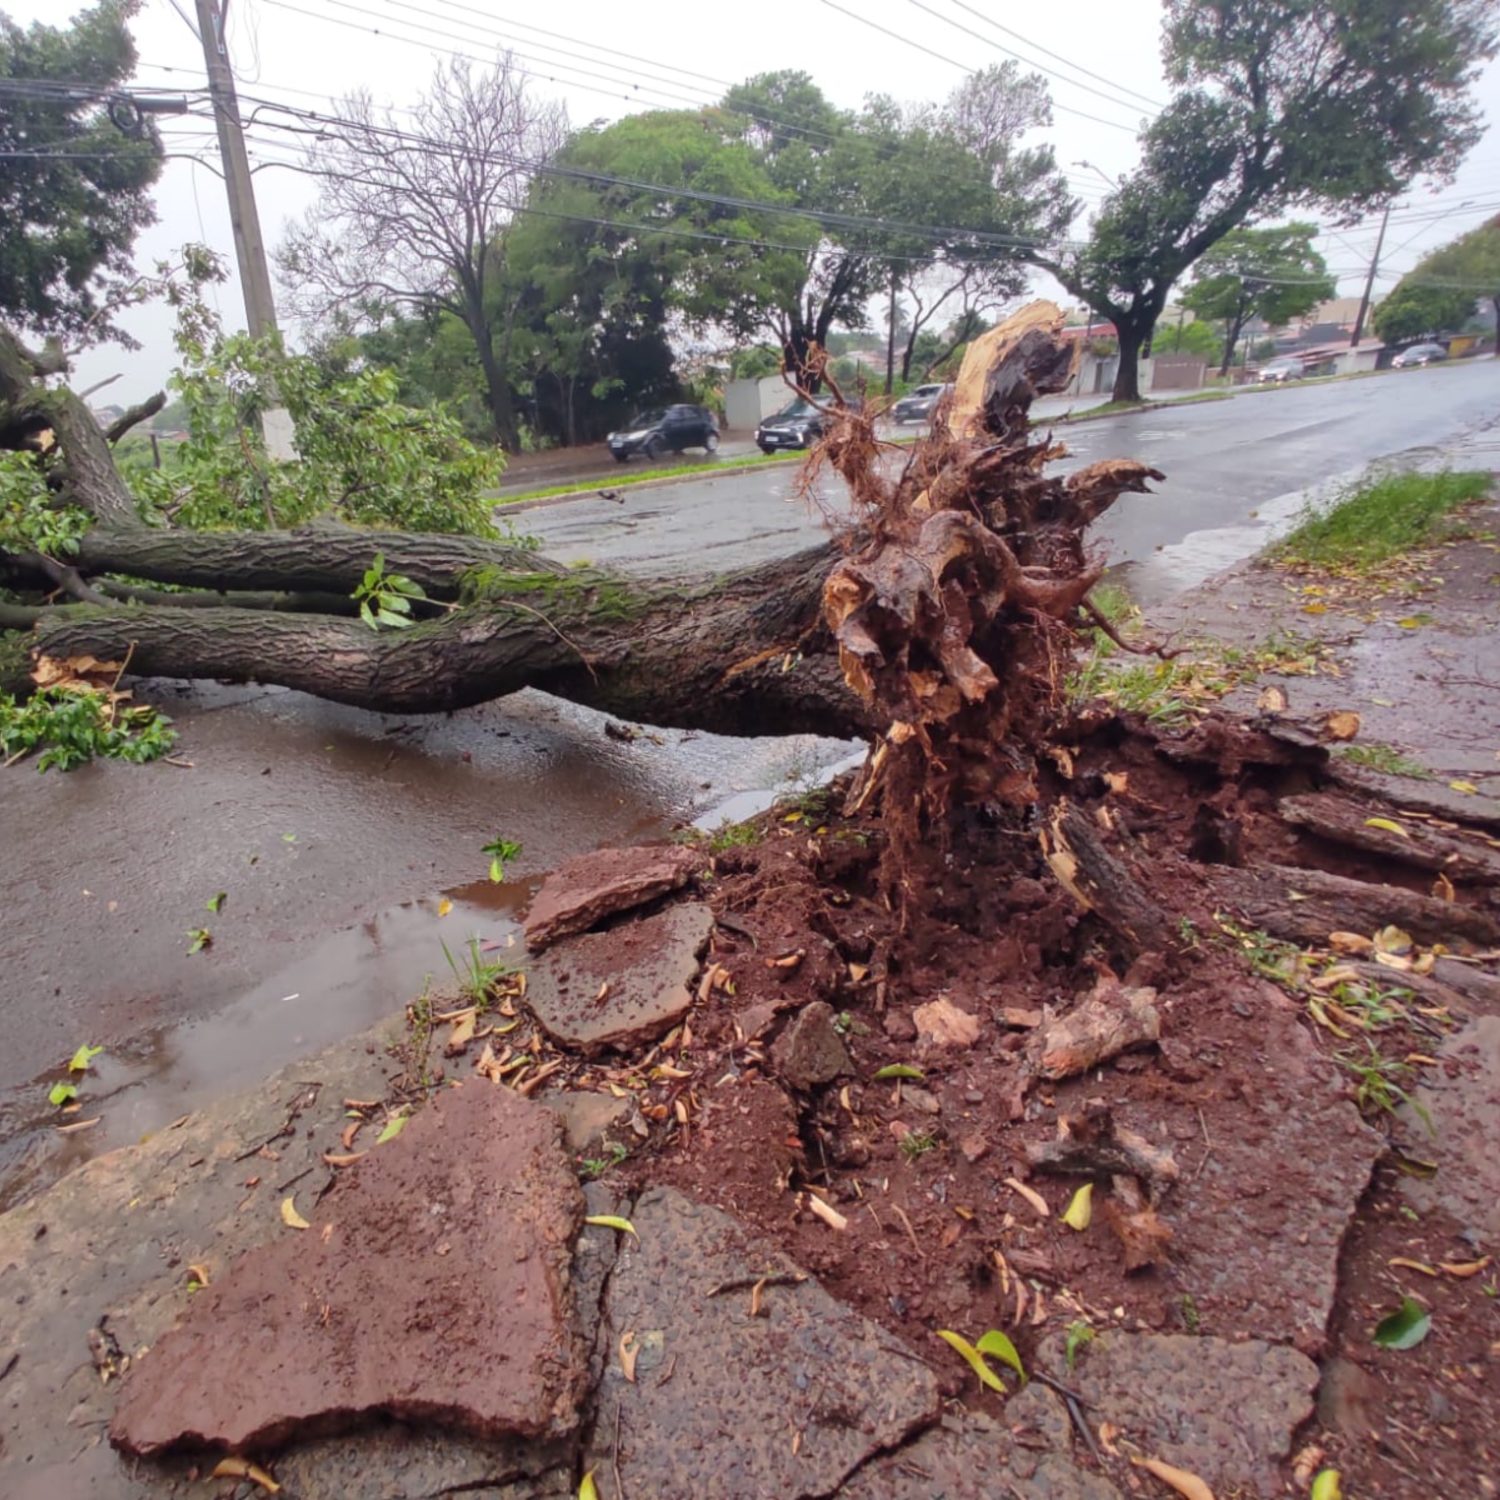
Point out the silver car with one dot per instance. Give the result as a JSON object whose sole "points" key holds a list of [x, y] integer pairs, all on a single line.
{"points": [[1419, 354]]}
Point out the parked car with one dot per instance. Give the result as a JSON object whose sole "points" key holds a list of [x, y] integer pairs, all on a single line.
{"points": [[799, 425], [918, 405], [1419, 354], [1279, 371], [667, 429]]}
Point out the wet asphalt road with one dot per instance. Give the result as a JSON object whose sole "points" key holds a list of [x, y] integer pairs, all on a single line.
{"points": [[1223, 460], [324, 932]]}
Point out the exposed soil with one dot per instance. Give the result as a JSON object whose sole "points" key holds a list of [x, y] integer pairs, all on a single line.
{"points": [[1271, 1156]]}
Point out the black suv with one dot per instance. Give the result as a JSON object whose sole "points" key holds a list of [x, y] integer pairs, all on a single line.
{"points": [[799, 425], [667, 429]]}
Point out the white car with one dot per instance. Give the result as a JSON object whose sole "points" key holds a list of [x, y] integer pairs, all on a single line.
{"points": [[1280, 370]]}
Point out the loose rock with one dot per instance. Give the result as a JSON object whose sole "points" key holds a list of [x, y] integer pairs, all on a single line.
{"points": [[810, 1051]]}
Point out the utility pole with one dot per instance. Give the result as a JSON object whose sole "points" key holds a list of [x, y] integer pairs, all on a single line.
{"points": [[249, 247], [1364, 302]]}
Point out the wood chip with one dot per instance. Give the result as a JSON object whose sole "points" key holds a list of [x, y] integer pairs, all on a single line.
{"points": [[1031, 1195], [827, 1213]]}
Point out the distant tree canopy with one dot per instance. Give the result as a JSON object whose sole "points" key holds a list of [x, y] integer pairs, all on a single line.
{"points": [[1273, 274], [1276, 103], [1437, 296], [75, 186], [766, 223]]}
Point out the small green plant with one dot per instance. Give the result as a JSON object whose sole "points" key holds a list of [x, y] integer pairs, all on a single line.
{"points": [[216, 901], [1080, 1333], [846, 1023], [71, 726], [1383, 758], [62, 1093], [1380, 1081], [917, 1143], [594, 1167], [729, 836], [1268, 957], [1191, 1320], [385, 599], [199, 938], [501, 852], [83, 1059], [475, 974]]}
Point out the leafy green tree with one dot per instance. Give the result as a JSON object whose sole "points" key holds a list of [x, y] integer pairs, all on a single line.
{"points": [[1439, 293], [1187, 338], [1324, 103], [363, 457], [1414, 311], [605, 269], [1273, 274], [75, 186]]}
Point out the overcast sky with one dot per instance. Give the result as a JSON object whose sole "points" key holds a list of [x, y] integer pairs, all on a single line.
{"points": [[683, 53]]}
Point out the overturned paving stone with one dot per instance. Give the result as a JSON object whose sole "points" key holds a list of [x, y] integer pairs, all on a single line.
{"points": [[810, 1051], [788, 1403], [1226, 1412], [582, 893], [1463, 1109], [627, 985], [433, 1284], [976, 1457]]}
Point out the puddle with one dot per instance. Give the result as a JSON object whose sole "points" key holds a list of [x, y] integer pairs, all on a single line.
{"points": [[747, 804], [349, 982]]}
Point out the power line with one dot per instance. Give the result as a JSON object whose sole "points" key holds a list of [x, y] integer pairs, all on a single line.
{"points": [[1152, 104], [969, 31], [907, 41]]}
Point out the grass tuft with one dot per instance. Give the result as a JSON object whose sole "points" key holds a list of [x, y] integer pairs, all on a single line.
{"points": [[1378, 518], [1374, 756]]}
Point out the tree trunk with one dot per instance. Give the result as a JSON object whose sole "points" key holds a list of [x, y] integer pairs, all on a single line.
{"points": [[746, 654], [1235, 324], [496, 385], [1131, 336], [890, 337]]}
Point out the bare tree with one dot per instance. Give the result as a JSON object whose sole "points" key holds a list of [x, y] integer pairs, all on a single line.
{"points": [[415, 214]]}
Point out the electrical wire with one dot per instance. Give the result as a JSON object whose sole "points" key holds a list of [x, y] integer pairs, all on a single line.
{"points": [[907, 41], [969, 31]]}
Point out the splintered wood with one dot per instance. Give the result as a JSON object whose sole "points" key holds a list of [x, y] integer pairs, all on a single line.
{"points": [[956, 611]]}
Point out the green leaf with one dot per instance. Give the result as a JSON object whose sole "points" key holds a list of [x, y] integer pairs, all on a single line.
{"points": [[368, 615], [62, 1093], [82, 1058], [289, 838], [612, 1221], [898, 1070], [998, 1346], [395, 621], [1079, 1334], [497, 871], [587, 1490], [1405, 1328], [216, 901], [393, 1127], [1326, 1486], [976, 1360], [198, 939]]}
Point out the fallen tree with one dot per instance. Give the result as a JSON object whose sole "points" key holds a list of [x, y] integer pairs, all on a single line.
{"points": [[747, 652]]}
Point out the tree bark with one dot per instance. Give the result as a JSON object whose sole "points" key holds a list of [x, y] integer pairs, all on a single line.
{"points": [[497, 387], [1131, 337], [746, 654]]}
